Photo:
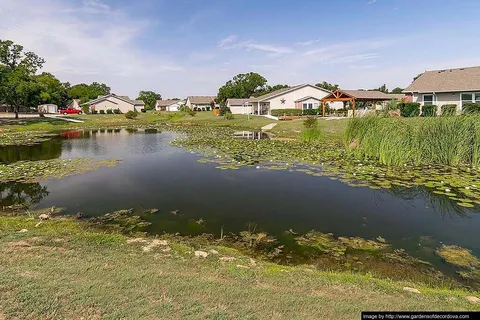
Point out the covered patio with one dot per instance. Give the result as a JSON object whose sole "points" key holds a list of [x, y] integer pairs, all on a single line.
{"points": [[354, 96]]}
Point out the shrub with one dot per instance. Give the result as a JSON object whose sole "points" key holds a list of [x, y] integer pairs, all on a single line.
{"points": [[131, 114], [409, 109], [311, 131], [109, 111], [183, 108], [86, 109], [95, 112], [449, 109], [102, 111], [143, 110], [429, 110], [311, 112], [224, 110], [281, 112], [195, 109], [471, 107], [117, 111], [208, 108], [228, 116], [310, 122], [203, 108]]}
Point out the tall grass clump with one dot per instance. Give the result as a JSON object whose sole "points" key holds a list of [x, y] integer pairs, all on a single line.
{"points": [[311, 130], [417, 141]]}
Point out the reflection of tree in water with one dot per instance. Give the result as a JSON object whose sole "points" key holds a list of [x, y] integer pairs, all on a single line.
{"points": [[45, 150], [439, 203], [20, 193]]}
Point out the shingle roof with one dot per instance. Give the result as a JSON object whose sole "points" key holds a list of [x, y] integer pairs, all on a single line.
{"points": [[449, 80], [167, 102], [237, 102], [306, 98], [201, 99], [138, 102], [123, 98], [365, 95], [398, 96], [275, 93]]}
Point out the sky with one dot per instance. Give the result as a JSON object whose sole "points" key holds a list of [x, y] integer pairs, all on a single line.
{"points": [[180, 48]]}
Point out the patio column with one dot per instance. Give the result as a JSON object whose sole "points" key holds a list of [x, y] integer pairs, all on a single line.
{"points": [[323, 108], [353, 107]]}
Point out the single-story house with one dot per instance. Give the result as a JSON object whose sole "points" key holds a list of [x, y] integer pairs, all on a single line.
{"points": [[199, 101], [304, 96], [48, 108], [75, 104], [168, 105], [240, 106], [112, 101], [448, 86]]}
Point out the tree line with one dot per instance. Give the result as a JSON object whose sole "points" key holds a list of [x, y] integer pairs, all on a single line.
{"points": [[22, 87]]}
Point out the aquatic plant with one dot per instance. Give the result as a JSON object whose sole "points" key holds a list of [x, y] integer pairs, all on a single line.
{"points": [[311, 131]]}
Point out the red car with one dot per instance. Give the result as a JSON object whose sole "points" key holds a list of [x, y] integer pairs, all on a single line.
{"points": [[71, 111]]}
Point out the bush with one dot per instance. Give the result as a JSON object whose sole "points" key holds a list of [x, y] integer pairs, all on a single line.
{"points": [[208, 108], [228, 116], [94, 111], [143, 110], [203, 109], [183, 108], [131, 114], [311, 112], [86, 109], [288, 112], [429, 110], [102, 111], [109, 111], [117, 111], [409, 109], [195, 109], [311, 131], [449, 109], [224, 110], [471, 107]]}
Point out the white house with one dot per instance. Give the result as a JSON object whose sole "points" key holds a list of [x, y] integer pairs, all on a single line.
{"points": [[112, 101], [199, 101], [304, 96], [75, 104], [449, 86], [168, 105], [240, 106]]}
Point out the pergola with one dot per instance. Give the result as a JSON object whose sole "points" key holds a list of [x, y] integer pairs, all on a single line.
{"points": [[354, 96]]}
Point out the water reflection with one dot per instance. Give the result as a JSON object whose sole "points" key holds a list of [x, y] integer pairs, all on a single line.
{"points": [[251, 135], [41, 151], [21, 194]]}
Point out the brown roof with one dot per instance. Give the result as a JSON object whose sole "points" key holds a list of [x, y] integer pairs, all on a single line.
{"points": [[201, 99], [398, 96], [448, 80], [367, 95], [167, 102], [237, 102], [138, 102]]}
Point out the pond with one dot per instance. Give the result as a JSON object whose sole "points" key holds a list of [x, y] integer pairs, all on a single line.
{"points": [[193, 198]]}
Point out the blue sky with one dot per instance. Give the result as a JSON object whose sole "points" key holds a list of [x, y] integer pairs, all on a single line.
{"points": [[191, 47]]}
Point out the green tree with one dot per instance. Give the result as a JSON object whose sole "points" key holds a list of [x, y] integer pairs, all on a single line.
{"points": [[86, 92], [267, 89], [51, 90], [397, 90], [328, 86], [418, 76], [382, 88], [18, 86], [241, 86], [150, 98]]}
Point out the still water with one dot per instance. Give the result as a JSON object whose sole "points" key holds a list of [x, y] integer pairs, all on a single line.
{"points": [[154, 174]]}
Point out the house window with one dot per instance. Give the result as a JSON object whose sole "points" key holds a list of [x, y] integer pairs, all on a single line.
{"points": [[306, 106], [470, 97], [428, 99]]}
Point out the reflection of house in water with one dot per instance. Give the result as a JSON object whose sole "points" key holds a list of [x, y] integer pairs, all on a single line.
{"points": [[253, 135]]}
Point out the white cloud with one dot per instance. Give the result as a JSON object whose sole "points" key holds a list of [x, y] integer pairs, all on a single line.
{"points": [[228, 40], [78, 46], [371, 1], [307, 43]]}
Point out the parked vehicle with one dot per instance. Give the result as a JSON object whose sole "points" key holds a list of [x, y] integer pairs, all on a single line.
{"points": [[71, 111]]}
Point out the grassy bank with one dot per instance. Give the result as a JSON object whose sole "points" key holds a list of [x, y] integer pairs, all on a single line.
{"points": [[449, 141], [87, 273]]}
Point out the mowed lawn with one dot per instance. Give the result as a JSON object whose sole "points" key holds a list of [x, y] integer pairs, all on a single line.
{"points": [[63, 270]]}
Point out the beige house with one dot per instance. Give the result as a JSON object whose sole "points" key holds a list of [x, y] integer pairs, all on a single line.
{"points": [[304, 96], [75, 104], [112, 101], [449, 86], [199, 101], [240, 106], [168, 105]]}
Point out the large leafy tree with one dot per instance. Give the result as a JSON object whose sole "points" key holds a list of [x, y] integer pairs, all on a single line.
{"points": [[327, 86], [18, 86], [86, 92], [150, 98], [397, 90], [242, 85], [51, 90]]}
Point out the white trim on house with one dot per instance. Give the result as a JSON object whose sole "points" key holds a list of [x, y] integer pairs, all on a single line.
{"points": [[429, 94], [473, 97]]}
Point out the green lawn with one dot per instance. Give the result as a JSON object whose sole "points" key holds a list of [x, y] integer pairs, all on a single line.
{"points": [[63, 270]]}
